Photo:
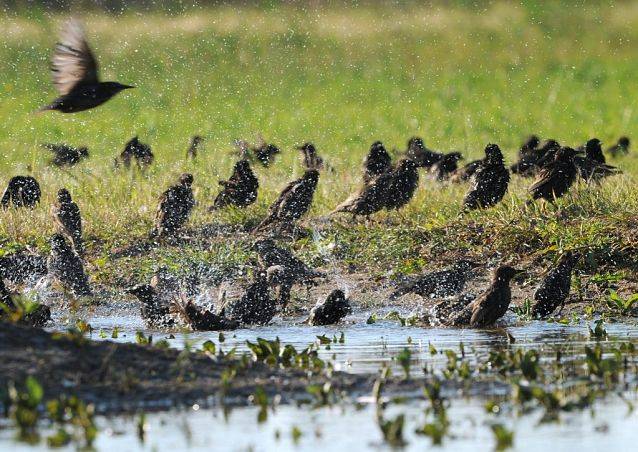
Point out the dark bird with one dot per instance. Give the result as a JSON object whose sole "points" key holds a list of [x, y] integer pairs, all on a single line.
{"points": [[293, 202], [174, 208], [554, 289], [311, 158], [270, 255], [75, 74], [592, 166], [193, 148], [555, 179], [402, 185], [240, 190], [446, 165], [66, 266], [263, 152], [466, 172], [203, 319], [489, 183], [255, 306], [137, 150], [153, 311], [532, 157], [66, 155], [620, 148], [280, 280], [22, 191], [438, 284], [22, 267], [377, 162], [422, 156], [446, 309], [371, 198], [490, 306], [66, 215], [330, 310], [14, 310]]}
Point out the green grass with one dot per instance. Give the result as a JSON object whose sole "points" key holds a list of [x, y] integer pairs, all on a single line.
{"points": [[341, 77]]}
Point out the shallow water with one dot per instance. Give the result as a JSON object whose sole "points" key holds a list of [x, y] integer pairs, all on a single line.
{"points": [[349, 426]]}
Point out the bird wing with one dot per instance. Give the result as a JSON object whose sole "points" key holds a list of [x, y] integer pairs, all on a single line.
{"points": [[73, 62], [546, 176]]}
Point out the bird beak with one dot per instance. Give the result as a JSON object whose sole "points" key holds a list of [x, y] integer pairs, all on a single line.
{"points": [[127, 87]]}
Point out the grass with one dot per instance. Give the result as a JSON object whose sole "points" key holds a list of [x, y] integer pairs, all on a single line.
{"points": [[341, 77]]}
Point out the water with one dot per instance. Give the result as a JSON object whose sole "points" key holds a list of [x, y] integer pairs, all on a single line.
{"points": [[349, 426]]}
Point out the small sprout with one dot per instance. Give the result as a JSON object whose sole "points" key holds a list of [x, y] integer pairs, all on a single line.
{"points": [[598, 332], [209, 348], [504, 437], [115, 333], [296, 434], [372, 319], [142, 427], [404, 359]]}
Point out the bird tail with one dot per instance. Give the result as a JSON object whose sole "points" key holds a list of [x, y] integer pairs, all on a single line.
{"points": [[44, 109]]}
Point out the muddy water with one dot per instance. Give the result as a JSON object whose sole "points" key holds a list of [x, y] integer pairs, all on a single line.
{"points": [[353, 426]]}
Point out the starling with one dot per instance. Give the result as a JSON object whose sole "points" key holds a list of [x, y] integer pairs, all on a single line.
{"points": [[37, 317], [446, 309], [490, 181], [330, 310], [620, 148], [255, 306], [174, 208], [446, 165], [67, 217], [22, 267], [466, 172], [377, 162], [311, 159], [281, 279], [531, 158], [422, 156], [293, 202], [193, 148], [593, 150], [66, 155], [139, 151], [263, 152], [438, 284], [556, 177], [75, 74], [270, 255], [554, 288], [371, 198], [485, 310], [66, 266], [240, 190], [593, 166], [153, 311], [22, 191], [203, 319], [402, 185]]}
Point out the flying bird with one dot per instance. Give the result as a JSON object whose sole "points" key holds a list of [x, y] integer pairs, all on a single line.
{"points": [[240, 190], [75, 73], [22, 191], [65, 155], [377, 162], [65, 265], [66, 215], [330, 310], [555, 179], [554, 289], [620, 148], [293, 202], [174, 208], [438, 284], [490, 306], [489, 183]]}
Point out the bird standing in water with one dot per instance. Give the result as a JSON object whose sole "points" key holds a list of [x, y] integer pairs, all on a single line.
{"points": [[554, 289], [438, 284], [66, 266], [67, 216], [174, 208], [485, 310], [330, 310], [75, 74]]}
